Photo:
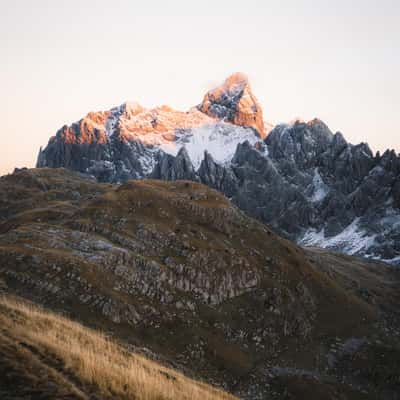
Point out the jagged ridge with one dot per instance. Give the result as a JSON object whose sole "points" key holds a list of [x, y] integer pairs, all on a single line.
{"points": [[311, 185]]}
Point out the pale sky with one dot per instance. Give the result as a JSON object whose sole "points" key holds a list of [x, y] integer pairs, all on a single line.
{"points": [[335, 60]]}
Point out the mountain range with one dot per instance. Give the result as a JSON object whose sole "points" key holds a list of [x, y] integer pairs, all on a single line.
{"points": [[308, 183]]}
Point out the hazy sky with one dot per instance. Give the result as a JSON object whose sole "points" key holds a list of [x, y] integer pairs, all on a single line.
{"points": [[336, 60]]}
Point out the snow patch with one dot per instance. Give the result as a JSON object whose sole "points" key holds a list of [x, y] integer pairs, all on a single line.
{"points": [[146, 156], [220, 140], [148, 162], [395, 261], [392, 218], [112, 120], [352, 240], [320, 189]]}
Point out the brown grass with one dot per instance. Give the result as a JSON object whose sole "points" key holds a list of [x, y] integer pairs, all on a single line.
{"points": [[95, 360]]}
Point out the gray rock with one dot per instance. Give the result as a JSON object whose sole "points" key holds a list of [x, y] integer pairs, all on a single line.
{"points": [[173, 168]]}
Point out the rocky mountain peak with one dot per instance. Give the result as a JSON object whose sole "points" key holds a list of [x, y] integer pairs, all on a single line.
{"points": [[234, 101], [339, 140], [300, 140], [123, 142]]}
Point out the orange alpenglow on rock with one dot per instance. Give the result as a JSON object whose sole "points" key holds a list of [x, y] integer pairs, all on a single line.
{"points": [[235, 102], [157, 125], [231, 103], [91, 129]]}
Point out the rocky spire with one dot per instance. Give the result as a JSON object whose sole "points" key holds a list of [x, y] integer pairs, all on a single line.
{"points": [[235, 102], [173, 168]]}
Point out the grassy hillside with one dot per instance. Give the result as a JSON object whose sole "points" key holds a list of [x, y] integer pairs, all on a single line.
{"points": [[48, 355], [175, 268]]}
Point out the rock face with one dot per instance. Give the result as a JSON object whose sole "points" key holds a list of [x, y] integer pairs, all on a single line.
{"points": [[235, 102], [346, 196], [175, 267], [174, 168], [308, 183]]}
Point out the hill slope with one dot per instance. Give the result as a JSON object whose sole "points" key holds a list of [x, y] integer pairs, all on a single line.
{"points": [[174, 267], [46, 356]]}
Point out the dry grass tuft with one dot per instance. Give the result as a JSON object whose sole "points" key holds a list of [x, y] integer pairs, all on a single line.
{"points": [[95, 360]]}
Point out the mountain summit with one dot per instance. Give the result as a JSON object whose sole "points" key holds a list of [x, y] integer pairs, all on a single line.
{"points": [[235, 102]]}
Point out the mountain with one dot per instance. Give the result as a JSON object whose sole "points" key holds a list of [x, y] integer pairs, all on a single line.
{"points": [[174, 269], [126, 142], [305, 181]]}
